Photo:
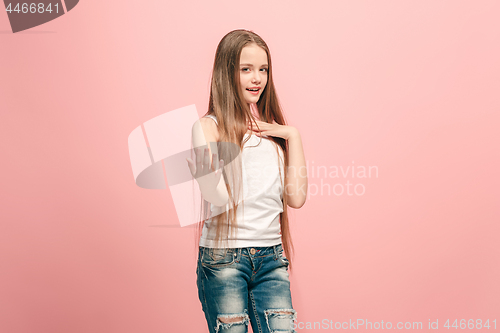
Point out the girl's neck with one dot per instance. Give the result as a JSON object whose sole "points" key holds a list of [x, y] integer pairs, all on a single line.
{"points": [[255, 113]]}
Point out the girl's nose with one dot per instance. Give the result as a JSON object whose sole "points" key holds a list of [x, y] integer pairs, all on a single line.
{"points": [[256, 77]]}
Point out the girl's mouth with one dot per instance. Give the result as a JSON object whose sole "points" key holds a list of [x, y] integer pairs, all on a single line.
{"points": [[253, 92]]}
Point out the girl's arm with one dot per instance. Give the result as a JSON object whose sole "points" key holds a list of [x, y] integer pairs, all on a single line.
{"points": [[296, 186], [212, 185]]}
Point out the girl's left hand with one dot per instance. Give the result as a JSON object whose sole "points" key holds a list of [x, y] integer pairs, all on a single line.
{"points": [[274, 129]]}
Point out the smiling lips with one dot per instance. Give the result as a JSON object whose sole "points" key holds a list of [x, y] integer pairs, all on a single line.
{"points": [[254, 91]]}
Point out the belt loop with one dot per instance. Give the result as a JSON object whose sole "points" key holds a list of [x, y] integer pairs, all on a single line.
{"points": [[275, 248], [238, 258]]}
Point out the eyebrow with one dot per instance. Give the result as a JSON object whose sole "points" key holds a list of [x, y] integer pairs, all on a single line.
{"points": [[265, 65]]}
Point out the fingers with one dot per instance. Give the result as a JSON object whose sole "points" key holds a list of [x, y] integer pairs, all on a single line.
{"points": [[215, 162], [259, 124], [217, 165], [206, 161], [191, 166], [203, 163], [204, 166], [198, 159]]}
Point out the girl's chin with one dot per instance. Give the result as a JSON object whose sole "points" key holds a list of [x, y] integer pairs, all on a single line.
{"points": [[252, 99]]}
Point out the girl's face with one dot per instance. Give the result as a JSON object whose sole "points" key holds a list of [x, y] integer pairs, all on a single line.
{"points": [[253, 72]]}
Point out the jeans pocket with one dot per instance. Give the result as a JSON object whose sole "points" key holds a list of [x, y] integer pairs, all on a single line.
{"points": [[282, 258], [214, 257]]}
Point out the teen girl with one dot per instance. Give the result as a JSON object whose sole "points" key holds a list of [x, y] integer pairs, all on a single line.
{"points": [[242, 271]]}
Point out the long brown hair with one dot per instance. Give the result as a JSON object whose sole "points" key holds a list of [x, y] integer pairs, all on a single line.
{"points": [[228, 105]]}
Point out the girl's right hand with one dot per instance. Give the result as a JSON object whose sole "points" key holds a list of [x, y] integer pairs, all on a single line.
{"points": [[207, 176]]}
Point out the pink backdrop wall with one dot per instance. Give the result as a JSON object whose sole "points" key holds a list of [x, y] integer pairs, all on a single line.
{"points": [[408, 87]]}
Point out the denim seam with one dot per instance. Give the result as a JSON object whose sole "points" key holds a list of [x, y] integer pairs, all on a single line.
{"points": [[255, 313], [201, 264], [260, 266], [205, 296], [255, 271]]}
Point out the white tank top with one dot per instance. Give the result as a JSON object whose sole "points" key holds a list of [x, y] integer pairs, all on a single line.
{"points": [[259, 221]]}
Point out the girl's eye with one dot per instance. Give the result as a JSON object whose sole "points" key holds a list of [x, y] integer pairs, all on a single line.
{"points": [[263, 69]]}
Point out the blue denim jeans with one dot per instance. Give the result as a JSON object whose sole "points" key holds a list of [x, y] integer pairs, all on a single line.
{"points": [[241, 285]]}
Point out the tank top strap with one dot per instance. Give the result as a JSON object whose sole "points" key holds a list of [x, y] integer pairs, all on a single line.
{"points": [[211, 116]]}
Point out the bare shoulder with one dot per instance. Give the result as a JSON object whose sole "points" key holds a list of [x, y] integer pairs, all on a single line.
{"points": [[209, 128]]}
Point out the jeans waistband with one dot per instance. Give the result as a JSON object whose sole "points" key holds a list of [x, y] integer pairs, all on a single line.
{"points": [[257, 250]]}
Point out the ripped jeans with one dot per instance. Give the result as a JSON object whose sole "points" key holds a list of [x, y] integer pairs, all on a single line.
{"points": [[241, 285]]}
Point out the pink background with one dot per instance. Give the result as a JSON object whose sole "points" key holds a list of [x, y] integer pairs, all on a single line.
{"points": [[411, 87]]}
